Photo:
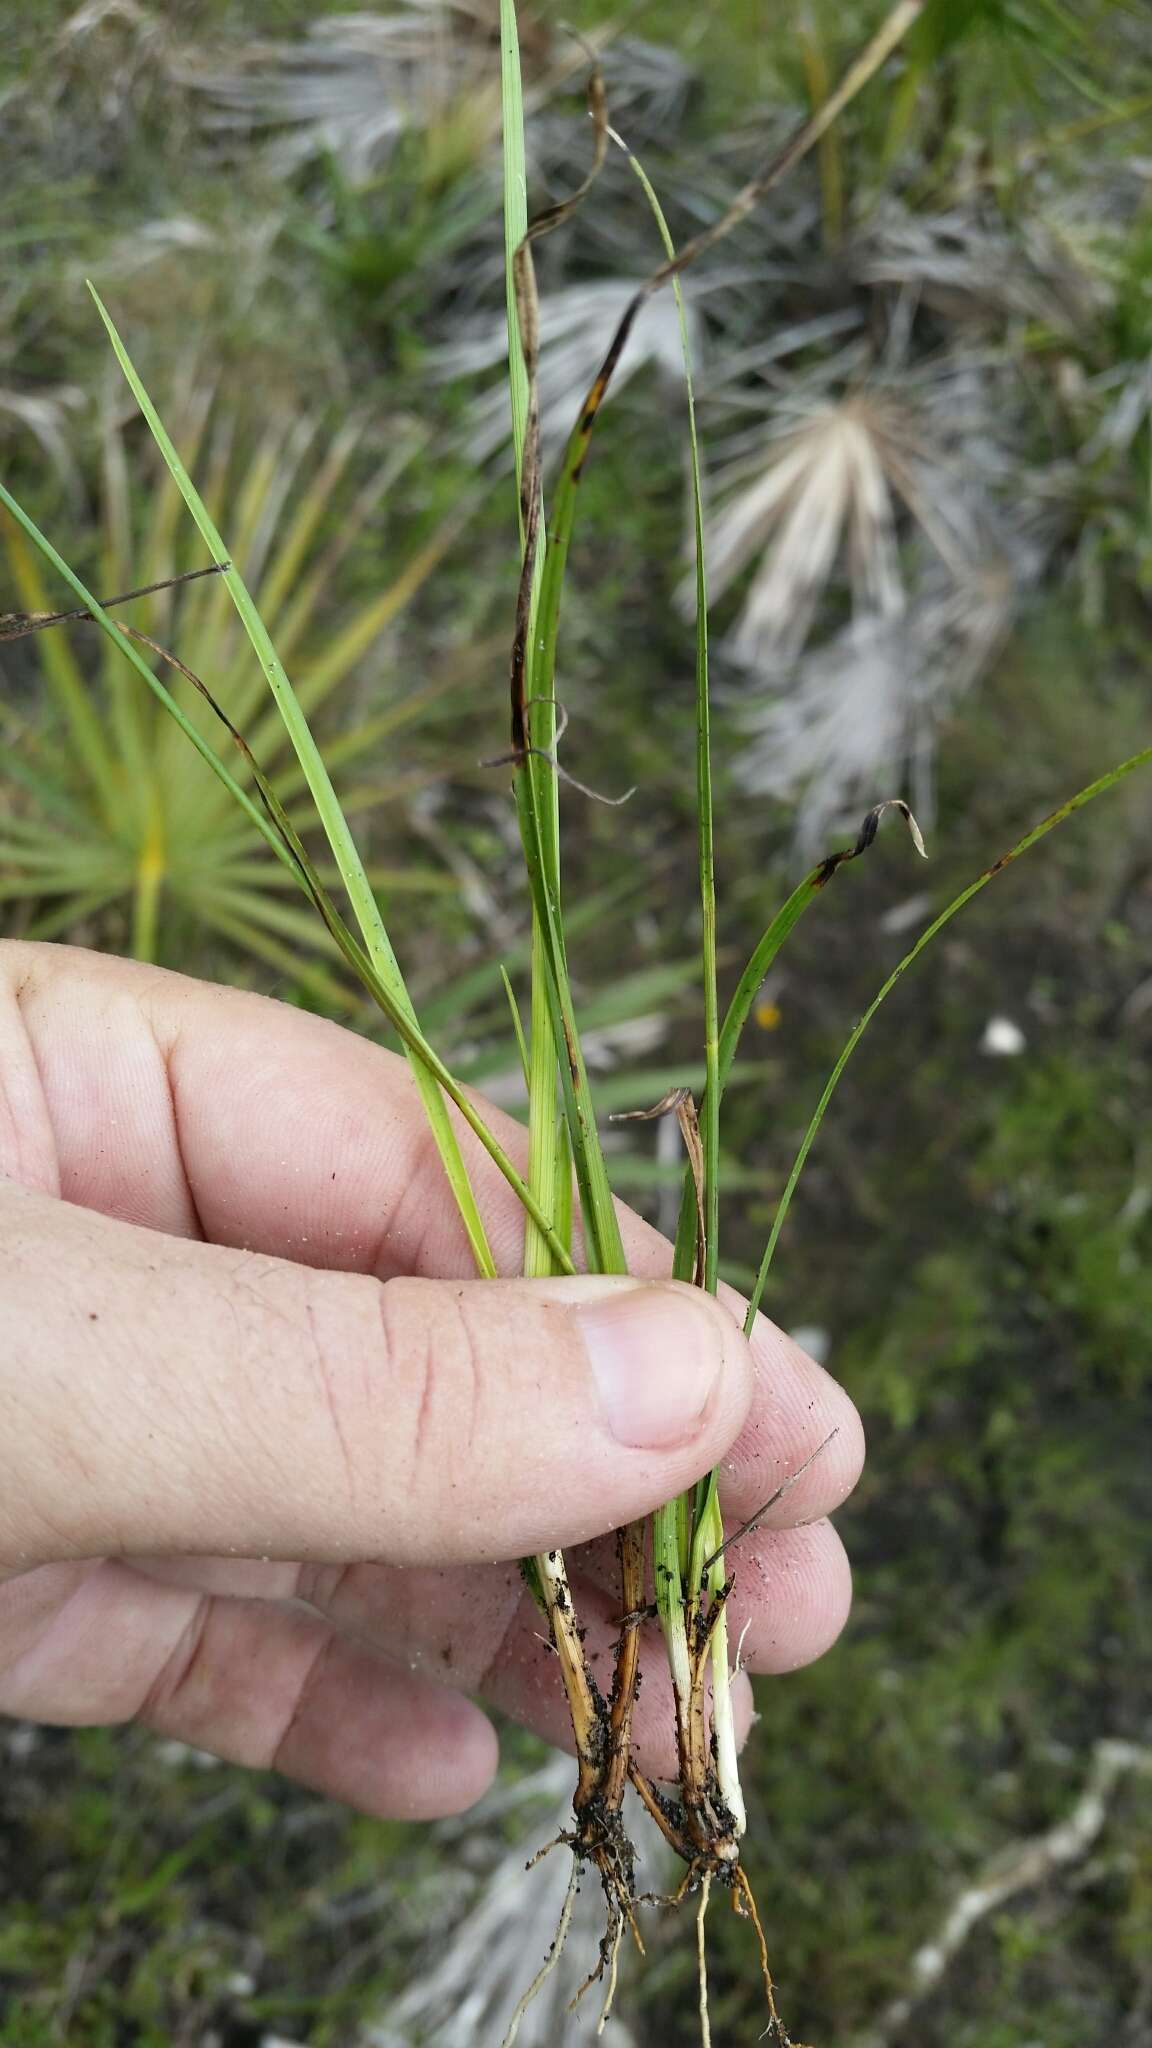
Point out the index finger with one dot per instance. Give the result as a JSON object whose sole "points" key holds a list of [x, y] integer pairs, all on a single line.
{"points": [[210, 1112]]}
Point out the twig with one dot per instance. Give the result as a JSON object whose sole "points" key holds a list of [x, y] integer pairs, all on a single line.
{"points": [[15, 625], [1021, 1867]]}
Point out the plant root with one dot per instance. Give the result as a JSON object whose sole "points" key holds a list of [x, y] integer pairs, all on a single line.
{"points": [[702, 1961], [613, 1973], [554, 1953], [713, 1862], [602, 1730]]}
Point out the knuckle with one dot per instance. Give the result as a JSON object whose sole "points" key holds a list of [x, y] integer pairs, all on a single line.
{"points": [[177, 1681]]}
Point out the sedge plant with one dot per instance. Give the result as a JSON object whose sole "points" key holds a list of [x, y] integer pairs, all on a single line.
{"points": [[681, 1569]]}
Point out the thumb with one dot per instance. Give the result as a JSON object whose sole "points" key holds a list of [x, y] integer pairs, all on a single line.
{"points": [[160, 1395]]}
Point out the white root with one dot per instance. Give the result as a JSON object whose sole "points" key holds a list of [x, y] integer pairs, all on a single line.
{"points": [[613, 1977], [702, 1961], [550, 1960]]}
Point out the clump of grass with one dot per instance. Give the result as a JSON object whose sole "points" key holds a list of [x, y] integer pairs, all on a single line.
{"points": [[691, 1557]]}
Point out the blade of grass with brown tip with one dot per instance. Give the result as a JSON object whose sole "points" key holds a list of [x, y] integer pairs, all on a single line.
{"points": [[1087, 795], [739, 1009]]}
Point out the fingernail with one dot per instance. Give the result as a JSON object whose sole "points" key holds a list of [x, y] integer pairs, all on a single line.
{"points": [[656, 1352]]}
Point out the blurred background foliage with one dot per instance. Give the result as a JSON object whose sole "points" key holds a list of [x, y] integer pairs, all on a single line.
{"points": [[926, 397]]}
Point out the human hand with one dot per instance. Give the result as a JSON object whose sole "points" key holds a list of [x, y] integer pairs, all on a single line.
{"points": [[269, 1452]]}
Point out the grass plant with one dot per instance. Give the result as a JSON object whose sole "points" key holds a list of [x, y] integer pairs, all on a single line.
{"points": [[283, 786]]}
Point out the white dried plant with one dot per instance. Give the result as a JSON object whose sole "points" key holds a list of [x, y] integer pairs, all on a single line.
{"points": [[474, 1972], [967, 265], [46, 415], [577, 324], [819, 494], [350, 86], [861, 711], [113, 52]]}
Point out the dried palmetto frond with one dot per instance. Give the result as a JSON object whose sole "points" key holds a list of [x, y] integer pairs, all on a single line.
{"points": [[966, 265], [143, 26], [648, 85], [825, 487], [862, 711], [353, 84], [576, 326], [350, 86], [105, 58], [475, 1969], [170, 235], [43, 414]]}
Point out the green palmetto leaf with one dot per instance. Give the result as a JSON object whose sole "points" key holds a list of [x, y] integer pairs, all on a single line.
{"points": [[74, 910], [46, 870], [397, 881], [326, 805], [170, 827], [109, 627], [272, 823], [66, 682], [287, 920], [345, 649], [365, 736], [299, 968], [398, 1010], [355, 880], [51, 796], [282, 572]]}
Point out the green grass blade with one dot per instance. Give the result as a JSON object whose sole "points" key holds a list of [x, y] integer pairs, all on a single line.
{"points": [[324, 796], [517, 1029], [515, 211], [739, 1009], [690, 1529], [710, 1105], [543, 1043], [344, 849], [64, 917]]}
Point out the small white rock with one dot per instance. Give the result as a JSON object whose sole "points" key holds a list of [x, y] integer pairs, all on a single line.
{"points": [[1002, 1038]]}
